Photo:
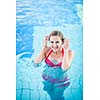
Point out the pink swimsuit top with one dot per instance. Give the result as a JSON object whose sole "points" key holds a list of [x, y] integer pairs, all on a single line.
{"points": [[50, 63]]}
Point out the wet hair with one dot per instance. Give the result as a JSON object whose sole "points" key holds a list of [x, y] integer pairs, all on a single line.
{"points": [[57, 33]]}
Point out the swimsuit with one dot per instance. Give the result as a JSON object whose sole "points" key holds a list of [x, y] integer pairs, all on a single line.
{"points": [[55, 79], [51, 63]]}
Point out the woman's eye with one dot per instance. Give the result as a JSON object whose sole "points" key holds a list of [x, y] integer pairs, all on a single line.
{"points": [[52, 42], [57, 41]]}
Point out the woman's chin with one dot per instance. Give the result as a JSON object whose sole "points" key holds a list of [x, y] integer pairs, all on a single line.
{"points": [[55, 50]]}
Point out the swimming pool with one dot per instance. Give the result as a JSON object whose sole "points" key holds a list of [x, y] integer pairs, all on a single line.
{"points": [[34, 20]]}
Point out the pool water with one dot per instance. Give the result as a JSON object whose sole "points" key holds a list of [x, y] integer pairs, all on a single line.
{"points": [[34, 20]]}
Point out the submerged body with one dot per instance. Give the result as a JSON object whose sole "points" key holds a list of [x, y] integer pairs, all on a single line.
{"points": [[58, 59], [55, 79]]}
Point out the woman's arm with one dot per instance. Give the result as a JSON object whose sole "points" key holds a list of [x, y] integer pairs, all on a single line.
{"points": [[68, 56], [67, 59], [43, 51], [40, 57]]}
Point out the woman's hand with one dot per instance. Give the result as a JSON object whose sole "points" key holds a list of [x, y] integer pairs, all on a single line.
{"points": [[66, 43], [45, 41]]}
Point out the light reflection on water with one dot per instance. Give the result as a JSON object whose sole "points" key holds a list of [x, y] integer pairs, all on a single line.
{"points": [[37, 13]]}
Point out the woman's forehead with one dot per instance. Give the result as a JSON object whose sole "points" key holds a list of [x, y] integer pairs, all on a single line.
{"points": [[55, 38]]}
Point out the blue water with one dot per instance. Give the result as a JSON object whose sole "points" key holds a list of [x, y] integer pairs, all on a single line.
{"points": [[34, 20]]}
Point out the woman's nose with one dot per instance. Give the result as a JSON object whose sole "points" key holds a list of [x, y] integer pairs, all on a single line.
{"points": [[55, 44]]}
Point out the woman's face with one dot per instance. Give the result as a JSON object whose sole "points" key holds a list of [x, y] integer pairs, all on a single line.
{"points": [[55, 43]]}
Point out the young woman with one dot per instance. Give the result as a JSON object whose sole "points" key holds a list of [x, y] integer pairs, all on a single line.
{"points": [[58, 58]]}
